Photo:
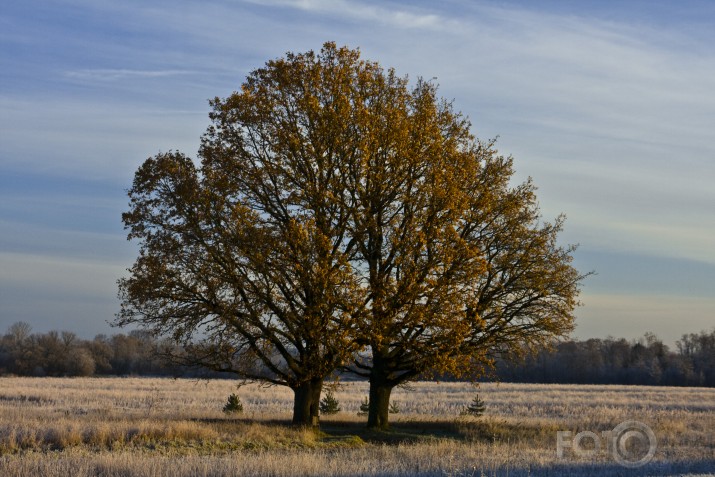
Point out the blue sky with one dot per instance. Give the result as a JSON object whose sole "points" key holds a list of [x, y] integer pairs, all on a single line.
{"points": [[609, 106]]}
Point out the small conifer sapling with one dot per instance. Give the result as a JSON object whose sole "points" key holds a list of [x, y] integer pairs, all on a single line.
{"points": [[233, 405], [329, 405], [364, 407], [476, 408]]}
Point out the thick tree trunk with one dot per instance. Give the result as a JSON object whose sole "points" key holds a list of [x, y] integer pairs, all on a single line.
{"points": [[316, 389], [306, 410], [380, 390]]}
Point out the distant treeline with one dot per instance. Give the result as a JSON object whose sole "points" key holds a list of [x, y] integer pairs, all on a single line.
{"points": [[595, 361], [619, 361], [64, 354]]}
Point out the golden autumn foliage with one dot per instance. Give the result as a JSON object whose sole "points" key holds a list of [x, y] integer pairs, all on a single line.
{"points": [[342, 219]]}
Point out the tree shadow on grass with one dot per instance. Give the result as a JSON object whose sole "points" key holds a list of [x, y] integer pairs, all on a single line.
{"points": [[337, 433], [406, 431], [398, 433]]}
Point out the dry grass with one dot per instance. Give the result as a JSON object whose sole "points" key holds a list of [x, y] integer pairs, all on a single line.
{"points": [[162, 427]]}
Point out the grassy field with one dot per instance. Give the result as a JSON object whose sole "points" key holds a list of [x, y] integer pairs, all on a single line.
{"points": [[126, 427]]}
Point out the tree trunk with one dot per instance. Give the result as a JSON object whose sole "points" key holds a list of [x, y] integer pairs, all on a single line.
{"points": [[316, 389], [377, 417], [306, 410]]}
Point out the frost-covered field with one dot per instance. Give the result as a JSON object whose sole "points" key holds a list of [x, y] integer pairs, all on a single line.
{"points": [[163, 427]]}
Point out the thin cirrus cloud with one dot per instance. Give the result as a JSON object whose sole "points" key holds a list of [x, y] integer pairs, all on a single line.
{"points": [[121, 74], [364, 12], [93, 139]]}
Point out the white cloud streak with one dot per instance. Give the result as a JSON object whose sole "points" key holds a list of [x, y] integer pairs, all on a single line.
{"points": [[365, 12], [121, 74], [103, 138]]}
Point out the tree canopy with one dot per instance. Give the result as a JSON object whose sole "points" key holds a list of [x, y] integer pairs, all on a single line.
{"points": [[342, 219]]}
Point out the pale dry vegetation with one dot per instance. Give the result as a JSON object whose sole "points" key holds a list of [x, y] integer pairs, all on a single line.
{"points": [[163, 427]]}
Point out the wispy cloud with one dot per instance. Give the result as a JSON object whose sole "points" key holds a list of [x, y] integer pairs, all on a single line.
{"points": [[121, 74], [95, 138], [361, 11]]}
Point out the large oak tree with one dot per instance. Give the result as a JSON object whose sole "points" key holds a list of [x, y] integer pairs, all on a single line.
{"points": [[450, 296], [342, 219], [245, 260]]}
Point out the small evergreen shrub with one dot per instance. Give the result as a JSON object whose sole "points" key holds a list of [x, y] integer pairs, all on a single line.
{"points": [[476, 408], [329, 405], [233, 405], [364, 407]]}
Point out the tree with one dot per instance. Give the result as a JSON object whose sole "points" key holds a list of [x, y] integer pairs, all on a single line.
{"points": [[19, 332], [249, 251], [102, 353], [79, 362], [233, 405], [699, 350], [458, 265], [329, 404], [18, 348], [417, 268], [476, 408], [337, 210]]}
